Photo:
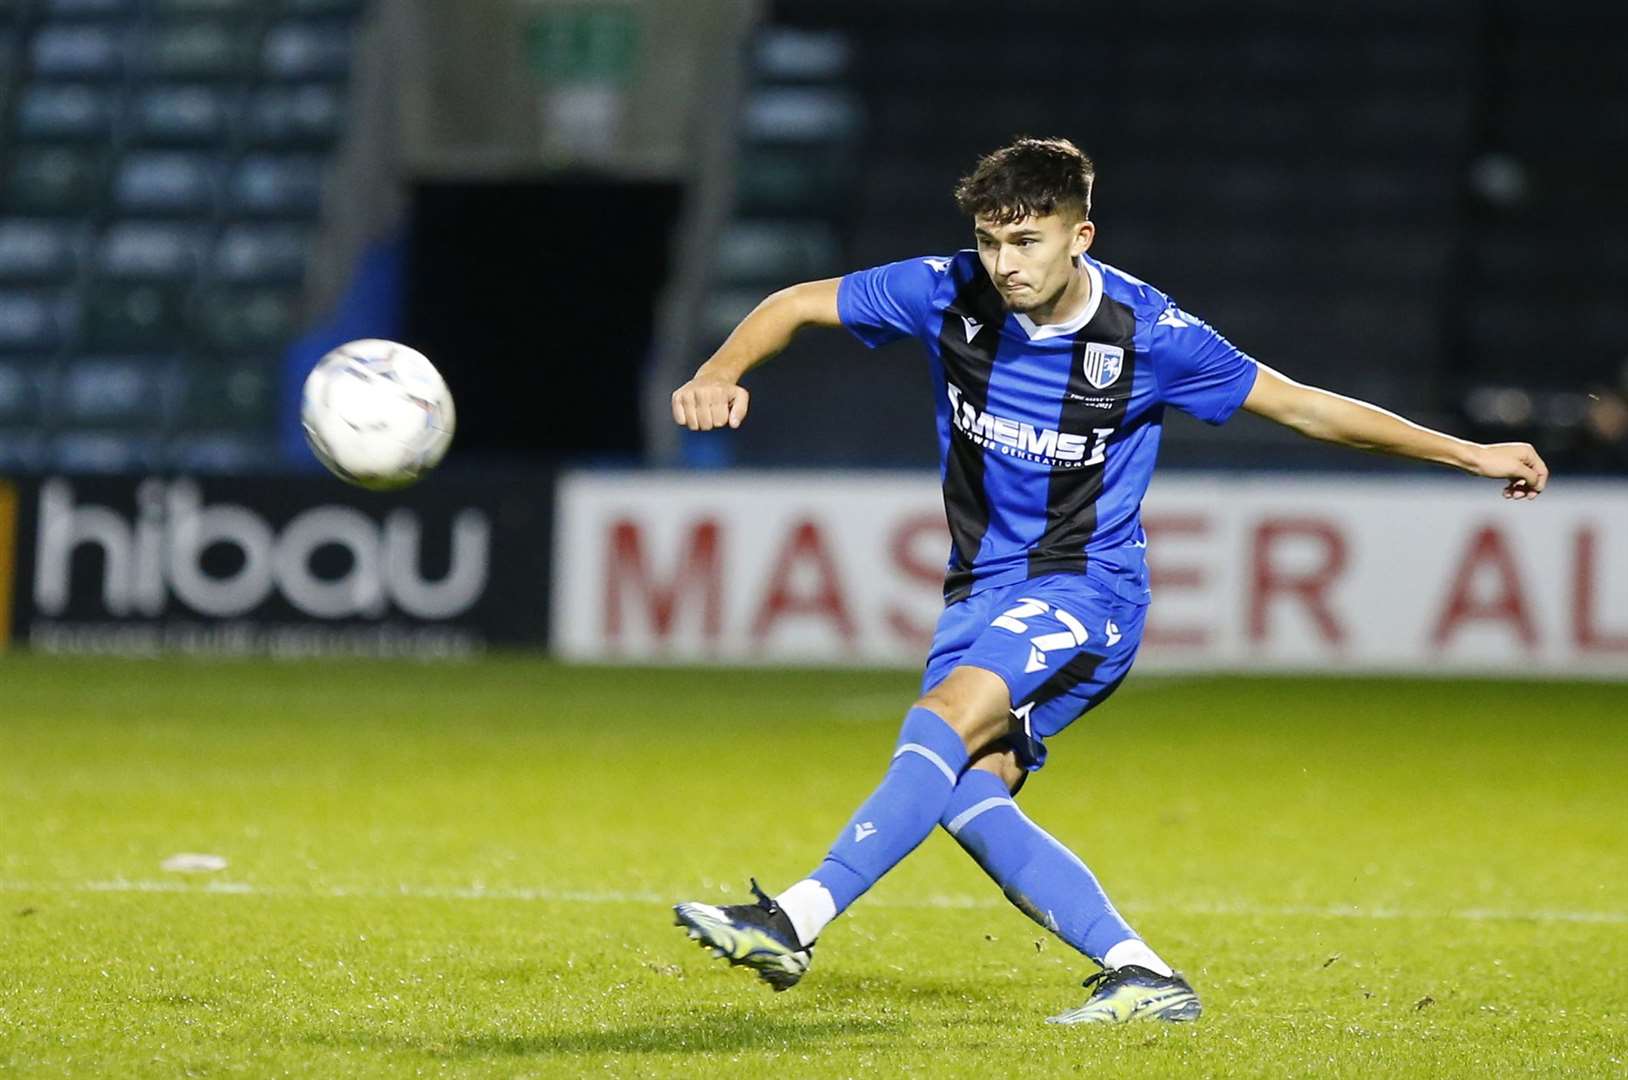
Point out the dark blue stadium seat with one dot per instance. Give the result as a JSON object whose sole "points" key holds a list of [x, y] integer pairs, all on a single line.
{"points": [[38, 252], [34, 321], [114, 391], [294, 116], [160, 163], [245, 320], [25, 388], [22, 449], [167, 184], [774, 253], [104, 451], [221, 451], [64, 112], [75, 51], [180, 116], [230, 394], [307, 50], [149, 251], [803, 114], [26, 385], [348, 8], [265, 186], [186, 49], [778, 180], [52, 181], [234, 9], [88, 9], [261, 254], [134, 315]]}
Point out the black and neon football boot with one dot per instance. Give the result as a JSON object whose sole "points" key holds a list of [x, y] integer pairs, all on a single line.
{"points": [[759, 936], [1133, 993]]}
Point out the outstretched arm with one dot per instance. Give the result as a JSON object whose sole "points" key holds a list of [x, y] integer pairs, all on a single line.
{"points": [[1320, 414], [714, 397]]}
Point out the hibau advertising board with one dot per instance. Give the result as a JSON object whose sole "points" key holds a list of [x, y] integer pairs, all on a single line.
{"points": [[1258, 572], [296, 565]]}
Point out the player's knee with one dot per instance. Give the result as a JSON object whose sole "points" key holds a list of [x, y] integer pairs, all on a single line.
{"points": [[973, 702], [954, 711]]}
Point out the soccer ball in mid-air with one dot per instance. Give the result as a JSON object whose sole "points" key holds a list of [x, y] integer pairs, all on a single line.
{"points": [[377, 414]]}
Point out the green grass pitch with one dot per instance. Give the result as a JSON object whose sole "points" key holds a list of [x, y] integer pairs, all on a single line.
{"points": [[466, 870]]}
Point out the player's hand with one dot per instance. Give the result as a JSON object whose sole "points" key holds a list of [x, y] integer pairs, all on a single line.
{"points": [[705, 403], [1516, 462]]}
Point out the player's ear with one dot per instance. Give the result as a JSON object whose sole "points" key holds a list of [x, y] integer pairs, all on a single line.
{"points": [[1080, 243]]}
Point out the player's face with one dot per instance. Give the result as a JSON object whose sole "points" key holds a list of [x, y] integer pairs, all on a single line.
{"points": [[1031, 260]]}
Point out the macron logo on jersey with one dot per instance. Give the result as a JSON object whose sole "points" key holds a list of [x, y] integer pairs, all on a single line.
{"points": [[1175, 318], [1026, 442], [972, 325]]}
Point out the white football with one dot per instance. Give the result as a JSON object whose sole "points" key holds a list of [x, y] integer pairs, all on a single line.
{"points": [[377, 414]]}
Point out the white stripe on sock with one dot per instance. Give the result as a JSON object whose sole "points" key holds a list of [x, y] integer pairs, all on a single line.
{"points": [[917, 748], [959, 821]]}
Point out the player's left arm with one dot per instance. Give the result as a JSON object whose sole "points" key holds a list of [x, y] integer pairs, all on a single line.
{"points": [[1320, 414]]}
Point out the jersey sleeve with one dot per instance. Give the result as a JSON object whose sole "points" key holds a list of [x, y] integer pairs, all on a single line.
{"points": [[889, 302], [1199, 371]]}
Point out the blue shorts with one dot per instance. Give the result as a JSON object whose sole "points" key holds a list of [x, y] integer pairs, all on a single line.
{"points": [[1060, 643]]}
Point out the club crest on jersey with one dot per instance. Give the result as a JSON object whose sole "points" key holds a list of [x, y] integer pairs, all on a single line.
{"points": [[1103, 363]]}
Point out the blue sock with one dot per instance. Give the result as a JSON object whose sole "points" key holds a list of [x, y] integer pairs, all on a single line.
{"points": [[901, 811], [1044, 879]]}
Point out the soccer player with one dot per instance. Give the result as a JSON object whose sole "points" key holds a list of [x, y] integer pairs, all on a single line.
{"points": [[1052, 372]]}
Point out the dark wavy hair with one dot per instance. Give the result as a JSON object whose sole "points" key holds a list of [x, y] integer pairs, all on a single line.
{"points": [[1031, 176]]}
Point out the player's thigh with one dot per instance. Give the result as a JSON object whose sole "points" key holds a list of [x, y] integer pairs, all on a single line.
{"points": [[959, 626], [1089, 677], [1062, 646]]}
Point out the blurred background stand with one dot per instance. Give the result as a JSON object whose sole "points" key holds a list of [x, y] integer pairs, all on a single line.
{"points": [[1414, 204]]}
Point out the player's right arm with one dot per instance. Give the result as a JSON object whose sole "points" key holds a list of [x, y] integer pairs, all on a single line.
{"points": [[714, 398], [1331, 417], [1204, 374]]}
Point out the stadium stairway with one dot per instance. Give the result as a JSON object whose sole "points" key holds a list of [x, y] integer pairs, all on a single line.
{"points": [[161, 171]]}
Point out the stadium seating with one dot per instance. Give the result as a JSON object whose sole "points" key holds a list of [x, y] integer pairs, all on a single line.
{"points": [[161, 173], [21, 392], [801, 142], [1550, 180], [1295, 175], [39, 252], [800, 134], [34, 321], [71, 112]]}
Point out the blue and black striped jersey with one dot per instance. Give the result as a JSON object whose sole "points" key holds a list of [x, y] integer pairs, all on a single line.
{"points": [[1047, 433]]}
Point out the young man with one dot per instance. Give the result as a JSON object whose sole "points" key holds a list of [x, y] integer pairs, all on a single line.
{"points": [[1052, 373]]}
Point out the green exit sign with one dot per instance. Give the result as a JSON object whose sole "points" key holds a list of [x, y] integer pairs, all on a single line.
{"points": [[574, 44]]}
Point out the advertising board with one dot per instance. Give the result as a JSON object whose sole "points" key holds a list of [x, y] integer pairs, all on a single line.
{"points": [[289, 565], [1255, 573]]}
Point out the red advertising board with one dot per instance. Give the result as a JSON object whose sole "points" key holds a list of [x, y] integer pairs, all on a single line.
{"points": [[1250, 573]]}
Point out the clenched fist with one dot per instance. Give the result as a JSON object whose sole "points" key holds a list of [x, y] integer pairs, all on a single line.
{"points": [[1516, 462], [705, 403]]}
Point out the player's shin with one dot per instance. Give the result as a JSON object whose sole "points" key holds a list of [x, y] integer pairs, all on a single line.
{"points": [[1045, 880], [927, 761]]}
